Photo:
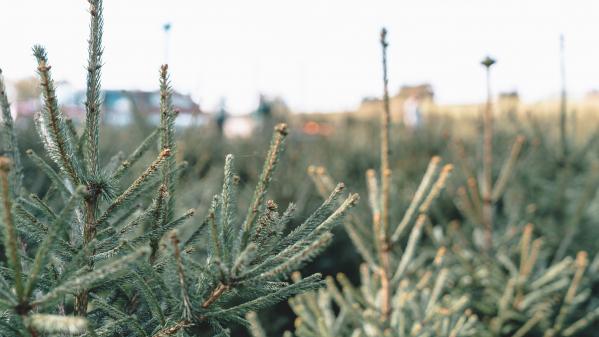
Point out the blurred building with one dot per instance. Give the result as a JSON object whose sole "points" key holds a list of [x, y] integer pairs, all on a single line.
{"points": [[407, 106], [508, 102], [592, 96], [24, 95], [120, 107]]}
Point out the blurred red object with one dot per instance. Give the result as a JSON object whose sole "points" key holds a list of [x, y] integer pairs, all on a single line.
{"points": [[314, 128]]}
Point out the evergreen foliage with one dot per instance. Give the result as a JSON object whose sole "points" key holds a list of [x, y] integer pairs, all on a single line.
{"points": [[528, 285], [106, 249], [97, 255], [493, 275], [401, 291]]}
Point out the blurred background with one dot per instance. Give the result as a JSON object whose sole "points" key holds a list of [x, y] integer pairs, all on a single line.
{"points": [[318, 56]]}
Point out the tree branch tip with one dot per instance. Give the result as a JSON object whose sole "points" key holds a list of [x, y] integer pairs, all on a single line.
{"points": [[440, 254], [296, 276], [282, 129], [5, 164], [529, 227], [581, 259], [354, 198], [448, 168], [271, 205]]}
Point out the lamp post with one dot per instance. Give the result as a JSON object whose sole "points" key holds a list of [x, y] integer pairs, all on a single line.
{"points": [[167, 29], [487, 210]]}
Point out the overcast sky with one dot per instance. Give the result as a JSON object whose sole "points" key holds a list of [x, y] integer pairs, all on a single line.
{"points": [[319, 55]]}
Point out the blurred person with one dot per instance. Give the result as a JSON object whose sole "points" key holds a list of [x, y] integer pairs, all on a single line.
{"points": [[412, 116], [220, 118]]}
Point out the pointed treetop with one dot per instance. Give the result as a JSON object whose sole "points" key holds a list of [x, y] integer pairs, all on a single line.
{"points": [[40, 52], [488, 62], [384, 42]]}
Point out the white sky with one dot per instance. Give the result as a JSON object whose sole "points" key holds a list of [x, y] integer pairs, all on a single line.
{"points": [[317, 54]]}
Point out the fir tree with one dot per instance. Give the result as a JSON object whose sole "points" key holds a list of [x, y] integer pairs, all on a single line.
{"points": [[527, 287], [81, 260], [401, 291], [501, 280]]}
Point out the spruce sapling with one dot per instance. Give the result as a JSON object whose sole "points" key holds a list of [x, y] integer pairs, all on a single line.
{"points": [[401, 292], [104, 256]]}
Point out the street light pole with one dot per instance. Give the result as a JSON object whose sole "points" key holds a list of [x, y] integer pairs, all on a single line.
{"points": [[167, 29]]}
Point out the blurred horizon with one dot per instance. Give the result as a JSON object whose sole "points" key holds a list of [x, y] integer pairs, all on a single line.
{"points": [[317, 56]]}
